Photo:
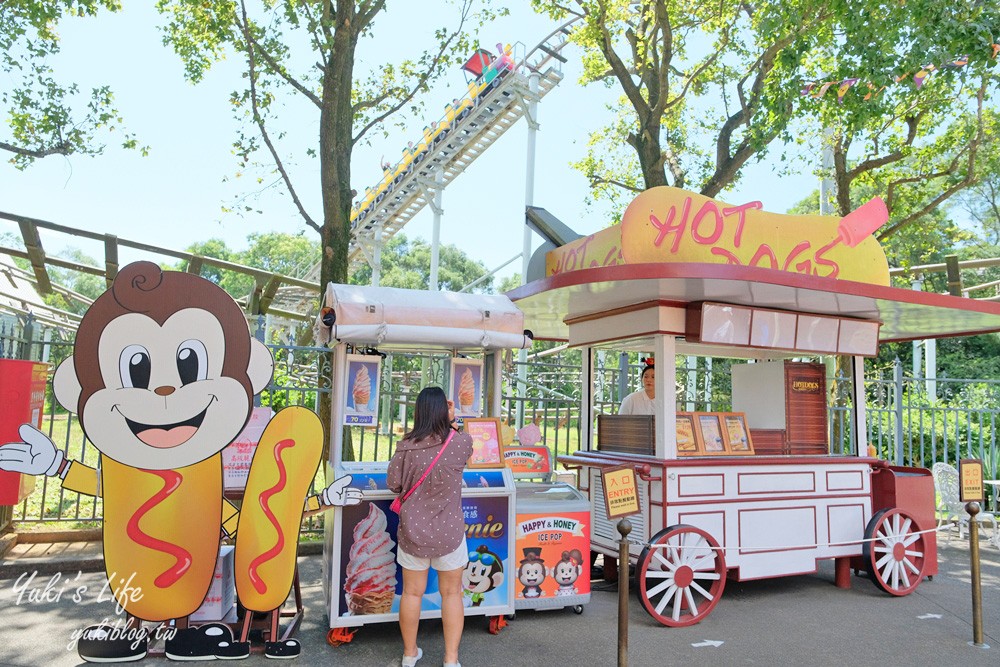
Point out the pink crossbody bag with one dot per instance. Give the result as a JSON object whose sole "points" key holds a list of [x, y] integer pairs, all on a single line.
{"points": [[397, 504]]}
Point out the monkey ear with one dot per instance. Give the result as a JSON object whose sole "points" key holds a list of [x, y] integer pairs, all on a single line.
{"points": [[261, 366], [66, 385], [497, 579]]}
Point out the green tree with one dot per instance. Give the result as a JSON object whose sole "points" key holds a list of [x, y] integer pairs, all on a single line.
{"points": [[76, 289], [708, 87], [981, 203], [43, 115], [299, 52], [277, 252], [509, 283], [216, 248], [407, 264]]}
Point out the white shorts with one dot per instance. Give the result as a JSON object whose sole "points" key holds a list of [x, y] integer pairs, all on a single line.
{"points": [[456, 559]]}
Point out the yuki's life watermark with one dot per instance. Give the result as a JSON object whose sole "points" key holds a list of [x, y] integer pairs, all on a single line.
{"points": [[29, 588]]}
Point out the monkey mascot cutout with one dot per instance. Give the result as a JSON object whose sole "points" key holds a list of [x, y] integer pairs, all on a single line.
{"points": [[162, 378]]}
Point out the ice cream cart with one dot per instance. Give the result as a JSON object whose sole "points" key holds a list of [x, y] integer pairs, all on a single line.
{"points": [[363, 582], [687, 275], [553, 547], [553, 530]]}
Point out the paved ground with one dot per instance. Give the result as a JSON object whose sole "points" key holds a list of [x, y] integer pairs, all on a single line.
{"points": [[802, 620]]}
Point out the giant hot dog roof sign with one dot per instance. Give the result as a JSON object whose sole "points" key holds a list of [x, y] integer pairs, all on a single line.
{"points": [[669, 225]]}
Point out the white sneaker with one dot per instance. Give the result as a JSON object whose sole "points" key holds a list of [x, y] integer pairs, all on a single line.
{"points": [[411, 660], [452, 664]]}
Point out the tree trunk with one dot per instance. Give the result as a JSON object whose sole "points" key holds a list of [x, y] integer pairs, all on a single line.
{"points": [[335, 147], [647, 146]]}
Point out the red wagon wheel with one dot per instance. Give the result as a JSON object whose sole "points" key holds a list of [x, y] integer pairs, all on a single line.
{"points": [[894, 551], [680, 575]]}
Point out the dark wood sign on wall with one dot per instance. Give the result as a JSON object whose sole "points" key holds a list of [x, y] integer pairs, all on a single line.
{"points": [[632, 434], [805, 408]]}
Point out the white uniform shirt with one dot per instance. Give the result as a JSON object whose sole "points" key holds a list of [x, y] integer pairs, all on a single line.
{"points": [[638, 403]]}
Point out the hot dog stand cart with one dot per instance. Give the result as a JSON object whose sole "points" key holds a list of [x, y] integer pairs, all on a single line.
{"points": [[363, 583], [751, 493]]}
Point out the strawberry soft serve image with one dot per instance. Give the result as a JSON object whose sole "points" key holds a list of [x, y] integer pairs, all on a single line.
{"points": [[371, 569], [467, 391], [362, 389]]}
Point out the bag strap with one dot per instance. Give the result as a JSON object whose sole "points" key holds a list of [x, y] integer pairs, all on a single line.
{"points": [[426, 472]]}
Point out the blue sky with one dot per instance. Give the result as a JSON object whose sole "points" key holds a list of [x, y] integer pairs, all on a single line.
{"points": [[175, 196]]}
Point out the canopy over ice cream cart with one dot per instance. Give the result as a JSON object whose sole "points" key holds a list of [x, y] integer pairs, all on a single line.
{"points": [[363, 583], [687, 275]]}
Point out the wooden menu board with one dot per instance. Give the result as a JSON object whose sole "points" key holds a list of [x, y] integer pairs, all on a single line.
{"points": [[805, 408], [631, 434]]}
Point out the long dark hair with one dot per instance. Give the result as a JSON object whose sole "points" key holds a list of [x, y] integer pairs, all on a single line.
{"points": [[430, 416]]}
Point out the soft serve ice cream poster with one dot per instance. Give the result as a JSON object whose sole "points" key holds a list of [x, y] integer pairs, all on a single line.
{"points": [[370, 582], [362, 390], [368, 579], [466, 386]]}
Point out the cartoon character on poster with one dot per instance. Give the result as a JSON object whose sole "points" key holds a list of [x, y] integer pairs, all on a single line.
{"points": [[567, 571], [531, 572], [483, 573], [362, 390], [486, 533], [553, 546], [162, 378], [466, 386]]}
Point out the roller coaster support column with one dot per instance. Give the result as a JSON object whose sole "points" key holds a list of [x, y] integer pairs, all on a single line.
{"points": [[377, 256], [529, 199], [438, 207]]}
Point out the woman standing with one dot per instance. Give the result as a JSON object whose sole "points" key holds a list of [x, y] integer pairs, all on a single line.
{"points": [[431, 524], [642, 402]]}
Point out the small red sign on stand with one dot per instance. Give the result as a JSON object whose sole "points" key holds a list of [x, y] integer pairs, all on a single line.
{"points": [[22, 395]]}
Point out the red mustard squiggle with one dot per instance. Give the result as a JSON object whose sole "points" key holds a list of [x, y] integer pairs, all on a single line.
{"points": [[171, 480], [265, 497]]}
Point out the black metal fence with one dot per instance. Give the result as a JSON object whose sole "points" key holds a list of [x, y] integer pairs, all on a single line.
{"points": [[911, 420]]}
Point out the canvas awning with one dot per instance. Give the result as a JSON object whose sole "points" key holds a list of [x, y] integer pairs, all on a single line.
{"points": [[392, 316], [904, 314]]}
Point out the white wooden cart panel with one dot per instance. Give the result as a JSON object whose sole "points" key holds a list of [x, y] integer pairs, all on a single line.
{"points": [[774, 520]]}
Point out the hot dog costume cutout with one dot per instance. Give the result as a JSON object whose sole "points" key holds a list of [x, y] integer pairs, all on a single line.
{"points": [[162, 377]]}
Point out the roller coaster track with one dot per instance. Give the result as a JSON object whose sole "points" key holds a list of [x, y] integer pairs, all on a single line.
{"points": [[494, 109]]}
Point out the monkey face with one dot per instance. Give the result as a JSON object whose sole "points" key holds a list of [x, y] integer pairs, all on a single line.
{"points": [[531, 574], [565, 573], [166, 403], [479, 577]]}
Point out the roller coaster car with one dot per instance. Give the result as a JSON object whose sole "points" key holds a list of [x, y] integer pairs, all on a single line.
{"points": [[478, 62]]}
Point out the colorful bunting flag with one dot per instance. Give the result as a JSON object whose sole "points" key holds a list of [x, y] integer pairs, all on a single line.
{"points": [[817, 90], [845, 85], [919, 77]]}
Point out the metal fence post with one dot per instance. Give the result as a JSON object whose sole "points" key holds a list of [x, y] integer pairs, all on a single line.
{"points": [[259, 335], [897, 408], [27, 337], [622, 376]]}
